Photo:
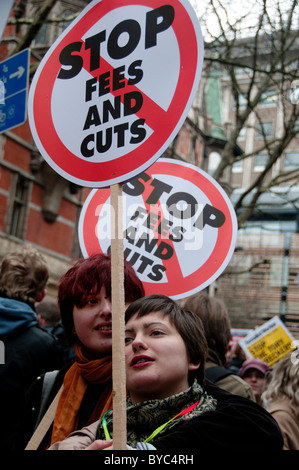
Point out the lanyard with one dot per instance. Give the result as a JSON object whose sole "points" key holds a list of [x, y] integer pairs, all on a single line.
{"points": [[159, 429]]}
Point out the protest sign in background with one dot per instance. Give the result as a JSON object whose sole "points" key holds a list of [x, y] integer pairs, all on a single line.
{"points": [[270, 342], [179, 227], [236, 335]]}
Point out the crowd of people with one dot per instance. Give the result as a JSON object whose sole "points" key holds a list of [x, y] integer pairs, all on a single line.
{"points": [[56, 389]]}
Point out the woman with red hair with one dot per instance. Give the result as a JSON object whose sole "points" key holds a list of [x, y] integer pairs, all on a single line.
{"points": [[84, 297]]}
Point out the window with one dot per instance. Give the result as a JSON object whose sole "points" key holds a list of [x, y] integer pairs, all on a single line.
{"points": [[291, 161], [268, 98], [294, 92], [260, 162], [265, 130], [243, 72], [269, 226], [17, 212], [66, 14], [242, 101], [47, 29], [237, 167], [41, 37], [296, 124], [242, 134], [214, 160]]}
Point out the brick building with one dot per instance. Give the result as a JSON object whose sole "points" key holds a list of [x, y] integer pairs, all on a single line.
{"points": [[39, 207], [261, 280]]}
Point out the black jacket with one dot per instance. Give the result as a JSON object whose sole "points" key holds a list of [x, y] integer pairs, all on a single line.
{"points": [[33, 400], [236, 424], [29, 352]]}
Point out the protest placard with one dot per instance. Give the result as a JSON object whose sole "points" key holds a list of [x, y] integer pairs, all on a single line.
{"points": [[108, 98], [179, 227], [114, 89], [269, 342]]}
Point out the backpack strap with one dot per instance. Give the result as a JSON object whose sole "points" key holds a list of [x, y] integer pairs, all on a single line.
{"points": [[48, 418], [216, 373], [48, 382]]}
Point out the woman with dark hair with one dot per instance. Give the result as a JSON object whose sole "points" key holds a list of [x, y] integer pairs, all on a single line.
{"points": [[84, 297], [169, 406]]}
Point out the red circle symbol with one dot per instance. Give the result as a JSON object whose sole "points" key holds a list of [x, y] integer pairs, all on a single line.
{"points": [[179, 227]]}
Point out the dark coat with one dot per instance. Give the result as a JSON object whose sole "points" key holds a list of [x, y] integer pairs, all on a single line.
{"points": [[35, 406], [236, 424], [29, 352]]}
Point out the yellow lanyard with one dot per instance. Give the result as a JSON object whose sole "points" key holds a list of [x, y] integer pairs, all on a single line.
{"points": [[159, 429]]}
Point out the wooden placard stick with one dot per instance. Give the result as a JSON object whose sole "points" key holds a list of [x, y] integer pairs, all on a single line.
{"points": [[118, 321]]}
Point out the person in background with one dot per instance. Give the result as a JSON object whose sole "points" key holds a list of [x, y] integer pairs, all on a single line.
{"points": [[168, 407], [49, 318], [253, 371], [48, 314], [236, 359], [29, 349], [84, 297], [281, 399], [216, 322]]}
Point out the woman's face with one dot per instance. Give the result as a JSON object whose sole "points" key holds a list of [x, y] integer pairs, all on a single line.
{"points": [[157, 364], [93, 323], [256, 380]]}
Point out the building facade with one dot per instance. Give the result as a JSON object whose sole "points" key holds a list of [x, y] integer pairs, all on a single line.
{"points": [[262, 279], [37, 206]]}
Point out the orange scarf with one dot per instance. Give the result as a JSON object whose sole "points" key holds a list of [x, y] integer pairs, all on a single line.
{"points": [[76, 380]]}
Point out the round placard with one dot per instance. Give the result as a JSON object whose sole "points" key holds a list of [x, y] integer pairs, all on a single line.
{"points": [[179, 227], [115, 88]]}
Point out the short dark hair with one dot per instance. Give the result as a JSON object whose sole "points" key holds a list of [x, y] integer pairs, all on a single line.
{"points": [[86, 277], [188, 325], [49, 311], [214, 316]]}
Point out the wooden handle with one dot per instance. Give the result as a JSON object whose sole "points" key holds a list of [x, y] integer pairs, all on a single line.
{"points": [[118, 321]]}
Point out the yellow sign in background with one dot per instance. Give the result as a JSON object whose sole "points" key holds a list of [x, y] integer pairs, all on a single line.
{"points": [[273, 346], [270, 342]]}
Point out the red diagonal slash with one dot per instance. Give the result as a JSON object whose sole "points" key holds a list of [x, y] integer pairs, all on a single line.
{"points": [[173, 268], [151, 111]]}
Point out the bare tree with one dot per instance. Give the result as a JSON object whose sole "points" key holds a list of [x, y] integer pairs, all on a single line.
{"points": [[262, 41], [35, 23]]}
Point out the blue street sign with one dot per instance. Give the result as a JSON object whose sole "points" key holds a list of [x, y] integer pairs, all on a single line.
{"points": [[14, 78]]}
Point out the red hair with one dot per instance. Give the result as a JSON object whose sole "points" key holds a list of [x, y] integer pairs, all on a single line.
{"points": [[86, 278]]}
